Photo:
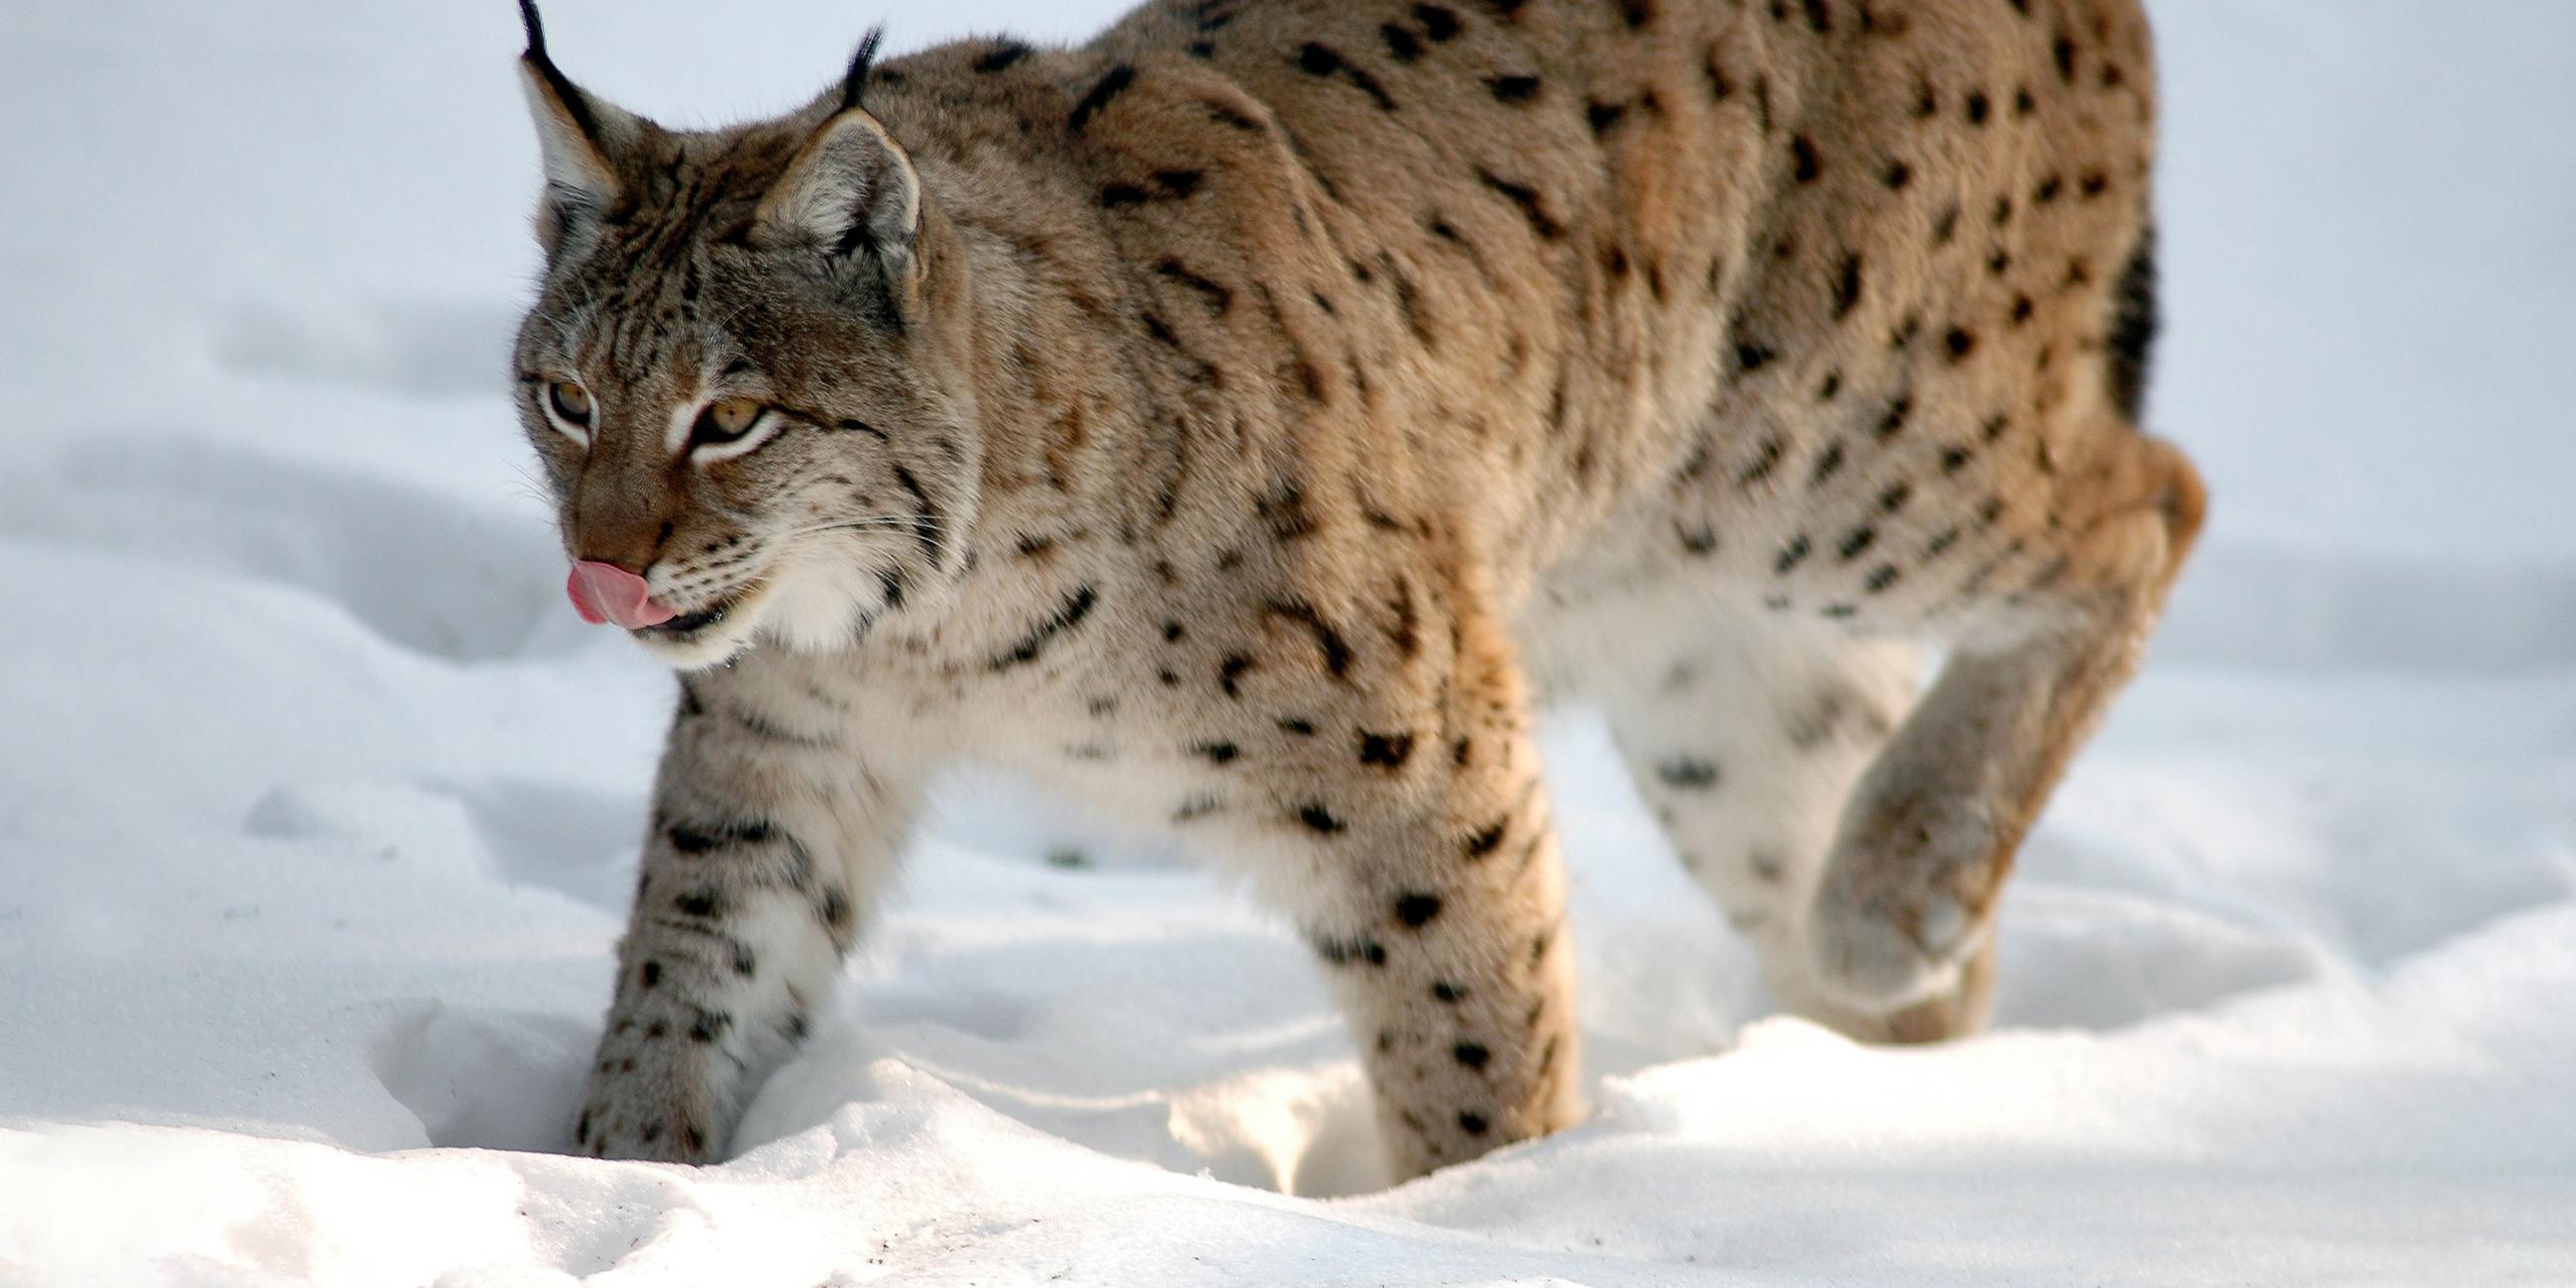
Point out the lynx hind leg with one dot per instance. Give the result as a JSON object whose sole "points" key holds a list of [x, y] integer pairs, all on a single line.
{"points": [[1745, 737], [1905, 910]]}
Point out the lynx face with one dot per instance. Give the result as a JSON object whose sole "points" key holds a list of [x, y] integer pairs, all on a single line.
{"points": [[752, 418]]}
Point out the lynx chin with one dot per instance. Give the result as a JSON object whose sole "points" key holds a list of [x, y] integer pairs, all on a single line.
{"points": [[1248, 419]]}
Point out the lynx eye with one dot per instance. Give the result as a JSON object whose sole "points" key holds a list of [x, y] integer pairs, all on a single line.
{"points": [[569, 401], [726, 422]]}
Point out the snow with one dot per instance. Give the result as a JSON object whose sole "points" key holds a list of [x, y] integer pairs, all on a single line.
{"points": [[317, 805]]}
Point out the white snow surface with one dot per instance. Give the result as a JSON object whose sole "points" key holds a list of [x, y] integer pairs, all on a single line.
{"points": [[318, 807]]}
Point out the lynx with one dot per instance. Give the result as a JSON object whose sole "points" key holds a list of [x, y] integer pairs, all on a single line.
{"points": [[1246, 421]]}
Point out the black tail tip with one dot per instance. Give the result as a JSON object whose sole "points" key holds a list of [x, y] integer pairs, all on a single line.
{"points": [[2136, 316]]}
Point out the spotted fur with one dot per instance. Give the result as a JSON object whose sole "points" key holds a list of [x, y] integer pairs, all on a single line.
{"points": [[1243, 419]]}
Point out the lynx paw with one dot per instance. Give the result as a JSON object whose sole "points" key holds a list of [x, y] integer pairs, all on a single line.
{"points": [[633, 1110], [1906, 901]]}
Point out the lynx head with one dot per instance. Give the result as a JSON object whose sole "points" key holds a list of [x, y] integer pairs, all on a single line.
{"points": [[746, 372]]}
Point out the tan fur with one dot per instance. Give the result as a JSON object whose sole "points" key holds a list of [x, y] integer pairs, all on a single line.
{"points": [[1250, 406]]}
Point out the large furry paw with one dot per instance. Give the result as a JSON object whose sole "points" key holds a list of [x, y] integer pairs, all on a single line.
{"points": [[642, 1103], [1947, 1013], [1905, 903]]}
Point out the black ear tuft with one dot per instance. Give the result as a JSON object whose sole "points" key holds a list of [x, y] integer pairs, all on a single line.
{"points": [[854, 86], [536, 30], [573, 100]]}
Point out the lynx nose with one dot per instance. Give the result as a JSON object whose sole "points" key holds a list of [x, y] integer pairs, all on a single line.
{"points": [[604, 592]]}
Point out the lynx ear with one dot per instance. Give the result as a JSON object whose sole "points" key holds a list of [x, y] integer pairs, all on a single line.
{"points": [[851, 187], [578, 137]]}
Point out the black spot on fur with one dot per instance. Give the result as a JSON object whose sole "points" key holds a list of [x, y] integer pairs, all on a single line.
{"points": [[1893, 423], [1066, 616], [1386, 751], [1763, 464], [1513, 89], [1007, 53], [1417, 910], [1527, 198], [1804, 165], [931, 528], [1793, 554], [1687, 773], [1108, 87], [1318, 59], [1228, 114], [1329, 642], [1218, 297], [700, 838], [1342, 952], [1471, 1054], [1720, 85], [1826, 465], [1321, 820], [1847, 287], [1285, 512]]}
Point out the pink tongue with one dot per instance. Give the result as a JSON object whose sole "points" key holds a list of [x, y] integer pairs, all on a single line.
{"points": [[604, 592]]}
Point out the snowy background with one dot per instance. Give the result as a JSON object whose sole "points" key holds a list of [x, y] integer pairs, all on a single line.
{"points": [[317, 805]]}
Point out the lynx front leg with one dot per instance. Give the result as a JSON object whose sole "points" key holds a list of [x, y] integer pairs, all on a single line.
{"points": [[771, 837], [1447, 948], [1427, 878]]}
